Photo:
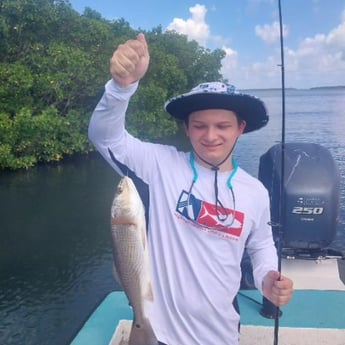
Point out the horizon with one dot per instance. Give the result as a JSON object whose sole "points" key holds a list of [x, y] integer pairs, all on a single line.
{"points": [[301, 89]]}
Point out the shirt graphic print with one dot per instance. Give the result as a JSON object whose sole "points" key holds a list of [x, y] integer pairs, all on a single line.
{"points": [[203, 214]]}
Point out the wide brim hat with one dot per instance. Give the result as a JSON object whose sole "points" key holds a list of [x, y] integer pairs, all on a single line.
{"points": [[217, 95]]}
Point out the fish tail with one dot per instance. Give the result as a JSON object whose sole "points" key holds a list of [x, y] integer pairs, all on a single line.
{"points": [[142, 334]]}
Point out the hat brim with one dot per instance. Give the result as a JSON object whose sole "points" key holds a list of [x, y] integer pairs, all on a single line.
{"points": [[247, 107]]}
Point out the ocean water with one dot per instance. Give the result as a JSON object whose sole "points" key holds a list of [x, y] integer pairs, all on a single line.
{"points": [[55, 254]]}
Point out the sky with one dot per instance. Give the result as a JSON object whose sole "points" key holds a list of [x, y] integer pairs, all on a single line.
{"points": [[248, 31]]}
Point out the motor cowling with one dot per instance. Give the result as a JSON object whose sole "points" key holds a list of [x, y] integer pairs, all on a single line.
{"points": [[310, 194]]}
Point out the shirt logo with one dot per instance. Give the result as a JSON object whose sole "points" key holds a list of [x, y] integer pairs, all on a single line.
{"points": [[204, 215]]}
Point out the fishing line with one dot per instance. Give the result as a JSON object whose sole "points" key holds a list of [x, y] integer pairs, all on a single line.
{"points": [[282, 170]]}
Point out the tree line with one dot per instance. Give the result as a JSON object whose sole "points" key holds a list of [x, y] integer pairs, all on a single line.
{"points": [[54, 63]]}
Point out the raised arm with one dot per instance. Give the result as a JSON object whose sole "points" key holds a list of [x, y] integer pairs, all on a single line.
{"points": [[128, 65]]}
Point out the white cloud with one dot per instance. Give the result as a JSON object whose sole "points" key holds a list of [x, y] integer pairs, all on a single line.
{"points": [[255, 75], [270, 33], [195, 27], [318, 60], [230, 64], [336, 37]]}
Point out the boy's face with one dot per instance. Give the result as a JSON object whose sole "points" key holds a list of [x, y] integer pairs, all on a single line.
{"points": [[213, 133]]}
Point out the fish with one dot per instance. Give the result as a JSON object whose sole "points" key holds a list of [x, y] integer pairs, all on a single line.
{"points": [[131, 258]]}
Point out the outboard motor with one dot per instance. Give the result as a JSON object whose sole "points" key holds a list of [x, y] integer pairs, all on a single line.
{"points": [[310, 199], [311, 196]]}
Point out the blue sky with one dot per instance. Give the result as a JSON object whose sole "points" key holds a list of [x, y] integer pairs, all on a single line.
{"points": [[248, 30]]}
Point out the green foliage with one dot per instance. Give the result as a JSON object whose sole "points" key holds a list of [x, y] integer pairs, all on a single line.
{"points": [[64, 78], [198, 64], [53, 66], [16, 84], [28, 139], [148, 120]]}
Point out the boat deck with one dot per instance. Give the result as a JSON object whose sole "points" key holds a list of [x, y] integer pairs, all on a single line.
{"points": [[312, 317], [315, 314]]}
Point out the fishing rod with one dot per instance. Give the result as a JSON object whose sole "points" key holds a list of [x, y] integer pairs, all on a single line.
{"points": [[282, 170]]}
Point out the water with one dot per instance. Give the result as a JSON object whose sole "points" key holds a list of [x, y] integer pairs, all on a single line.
{"points": [[54, 250], [55, 255]]}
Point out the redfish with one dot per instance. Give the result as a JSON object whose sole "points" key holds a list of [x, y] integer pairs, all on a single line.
{"points": [[131, 258]]}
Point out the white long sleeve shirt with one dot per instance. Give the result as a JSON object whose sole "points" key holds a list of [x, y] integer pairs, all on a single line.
{"points": [[195, 259]]}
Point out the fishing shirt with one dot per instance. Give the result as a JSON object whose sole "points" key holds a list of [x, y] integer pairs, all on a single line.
{"points": [[195, 258]]}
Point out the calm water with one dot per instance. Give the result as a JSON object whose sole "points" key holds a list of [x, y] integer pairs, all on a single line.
{"points": [[55, 256]]}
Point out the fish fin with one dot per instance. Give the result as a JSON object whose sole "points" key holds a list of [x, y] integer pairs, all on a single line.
{"points": [[142, 334]]}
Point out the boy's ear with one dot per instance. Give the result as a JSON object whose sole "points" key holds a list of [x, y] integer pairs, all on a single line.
{"points": [[243, 126]]}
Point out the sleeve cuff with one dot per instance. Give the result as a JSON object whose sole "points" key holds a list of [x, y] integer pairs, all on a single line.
{"points": [[120, 92]]}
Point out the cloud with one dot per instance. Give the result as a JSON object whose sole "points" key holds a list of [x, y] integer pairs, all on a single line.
{"points": [[270, 33], [195, 27], [336, 37], [317, 60], [255, 75], [229, 63]]}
